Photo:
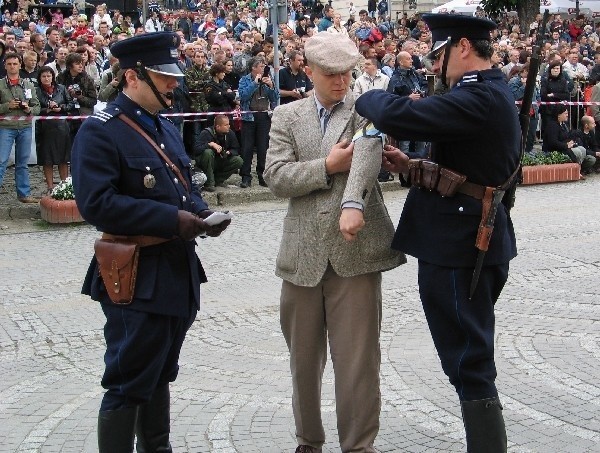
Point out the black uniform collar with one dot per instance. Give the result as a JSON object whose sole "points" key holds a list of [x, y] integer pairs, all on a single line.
{"points": [[133, 110], [480, 76]]}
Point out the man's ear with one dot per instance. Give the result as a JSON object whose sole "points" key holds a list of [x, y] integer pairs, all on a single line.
{"points": [[308, 71]]}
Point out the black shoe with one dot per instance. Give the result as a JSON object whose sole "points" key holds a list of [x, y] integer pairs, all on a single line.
{"points": [[209, 188], [245, 183], [116, 430], [307, 449], [262, 182]]}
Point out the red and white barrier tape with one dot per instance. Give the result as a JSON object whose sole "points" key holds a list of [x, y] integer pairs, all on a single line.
{"points": [[82, 117], [233, 112]]}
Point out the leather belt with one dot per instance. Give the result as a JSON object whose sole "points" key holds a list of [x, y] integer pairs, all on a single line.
{"points": [[473, 190], [142, 241]]}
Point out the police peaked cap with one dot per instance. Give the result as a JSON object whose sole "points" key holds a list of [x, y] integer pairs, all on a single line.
{"points": [[155, 51], [456, 26]]}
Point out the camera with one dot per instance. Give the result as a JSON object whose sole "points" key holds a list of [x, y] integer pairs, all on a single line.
{"points": [[24, 104], [419, 92], [77, 89], [266, 71]]}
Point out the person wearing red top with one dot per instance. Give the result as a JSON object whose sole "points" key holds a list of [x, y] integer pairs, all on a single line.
{"points": [[83, 30], [576, 28]]}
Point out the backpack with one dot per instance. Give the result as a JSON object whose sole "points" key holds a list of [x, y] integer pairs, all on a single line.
{"points": [[363, 33]]}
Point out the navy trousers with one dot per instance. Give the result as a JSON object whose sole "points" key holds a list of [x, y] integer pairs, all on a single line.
{"points": [[463, 329], [142, 351], [255, 133]]}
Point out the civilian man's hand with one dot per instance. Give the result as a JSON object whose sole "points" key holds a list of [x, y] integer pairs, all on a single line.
{"points": [[351, 222], [394, 160], [339, 159]]}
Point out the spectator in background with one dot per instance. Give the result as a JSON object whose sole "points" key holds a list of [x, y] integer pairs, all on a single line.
{"points": [[371, 78], [153, 23], [554, 88], [232, 79], [557, 137], [101, 16], [60, 63], [219, 95], [293, 82], [80, 87], [337, 26], [388, 64], [83, 31], [17, 98], [29, 71], [54, 136], [257, 94], [216, 152], [109, 82], [327, 19], [407, 82], [586, 137]]}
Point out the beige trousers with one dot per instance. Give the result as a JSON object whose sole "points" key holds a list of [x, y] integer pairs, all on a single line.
{"points": [[348, 310]]}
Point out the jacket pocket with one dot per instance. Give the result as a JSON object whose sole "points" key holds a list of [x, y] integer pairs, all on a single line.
{"points": [[376, 240], [287, 259]]}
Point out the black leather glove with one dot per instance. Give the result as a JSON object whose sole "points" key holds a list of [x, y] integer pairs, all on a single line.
{"points": [[214, 230], [189, 226]]}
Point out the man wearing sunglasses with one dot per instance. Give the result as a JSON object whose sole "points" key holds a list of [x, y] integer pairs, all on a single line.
{"points": [[475, 135]]}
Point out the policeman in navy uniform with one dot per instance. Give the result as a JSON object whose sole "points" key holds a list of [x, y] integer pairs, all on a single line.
{"points": [[474, 131], [125, 188]]}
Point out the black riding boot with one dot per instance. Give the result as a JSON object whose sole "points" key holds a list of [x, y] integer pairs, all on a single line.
{"points": [[153, 423], [484, 425], [116, 430]]}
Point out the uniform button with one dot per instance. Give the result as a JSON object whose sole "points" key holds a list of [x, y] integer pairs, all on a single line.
{"points": [[176, 180], [162, 146], [461, 209], [147, 168], [117, 109], [137, 112], [183, 198]]}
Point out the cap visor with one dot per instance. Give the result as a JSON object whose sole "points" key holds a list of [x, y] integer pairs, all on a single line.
{"points": [[171, 69], [436, 49]]}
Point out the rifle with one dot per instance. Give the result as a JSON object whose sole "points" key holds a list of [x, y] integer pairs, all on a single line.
{"points": [[534, 66], [506, 193]]}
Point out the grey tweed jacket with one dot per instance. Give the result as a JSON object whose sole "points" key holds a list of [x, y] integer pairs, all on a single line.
{"points": [[295, 169]]}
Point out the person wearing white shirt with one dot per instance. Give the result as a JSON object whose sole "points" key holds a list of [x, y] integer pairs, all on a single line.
{"points": [[337, 26], [263, 21], [371, 78], [573, 68]]}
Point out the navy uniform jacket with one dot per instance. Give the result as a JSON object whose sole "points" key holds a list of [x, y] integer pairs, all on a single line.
{"points": [[109, 163], [474, 130]]}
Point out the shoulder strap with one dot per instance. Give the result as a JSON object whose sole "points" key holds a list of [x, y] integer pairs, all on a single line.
{"points": [[160, 152]]}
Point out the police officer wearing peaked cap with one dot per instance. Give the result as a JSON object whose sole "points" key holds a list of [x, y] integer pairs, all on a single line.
{"points": [[131, 193], [474, 131]]}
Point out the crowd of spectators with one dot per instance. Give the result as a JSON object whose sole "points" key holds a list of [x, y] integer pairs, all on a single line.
{"points": [[227, 55]]}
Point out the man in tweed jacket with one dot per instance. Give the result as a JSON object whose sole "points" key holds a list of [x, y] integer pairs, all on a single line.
{"points": [[336, 242]]}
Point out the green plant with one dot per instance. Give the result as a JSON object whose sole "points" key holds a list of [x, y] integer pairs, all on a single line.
{"points": [[554, 157], [63, 190]]}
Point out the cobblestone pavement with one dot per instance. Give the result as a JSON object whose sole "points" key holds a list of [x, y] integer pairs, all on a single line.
{"points": [[233, 391]]}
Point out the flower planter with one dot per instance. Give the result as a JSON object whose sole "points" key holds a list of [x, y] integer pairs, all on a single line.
{"points": [[543, 174], [59, 211]]}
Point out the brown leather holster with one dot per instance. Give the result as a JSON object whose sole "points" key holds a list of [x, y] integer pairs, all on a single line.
{"points": [[117, 258]]}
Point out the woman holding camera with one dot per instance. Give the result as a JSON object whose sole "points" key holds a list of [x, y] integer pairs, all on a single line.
{"points": [[54, 136], [80, 87]]}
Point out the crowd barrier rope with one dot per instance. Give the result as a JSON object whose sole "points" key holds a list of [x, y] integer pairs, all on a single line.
{"points": [[232, 112]]}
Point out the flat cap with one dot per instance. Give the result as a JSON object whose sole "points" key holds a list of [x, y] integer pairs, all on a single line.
{"points": [[331, 52], [456, 26], [155, 51]]}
